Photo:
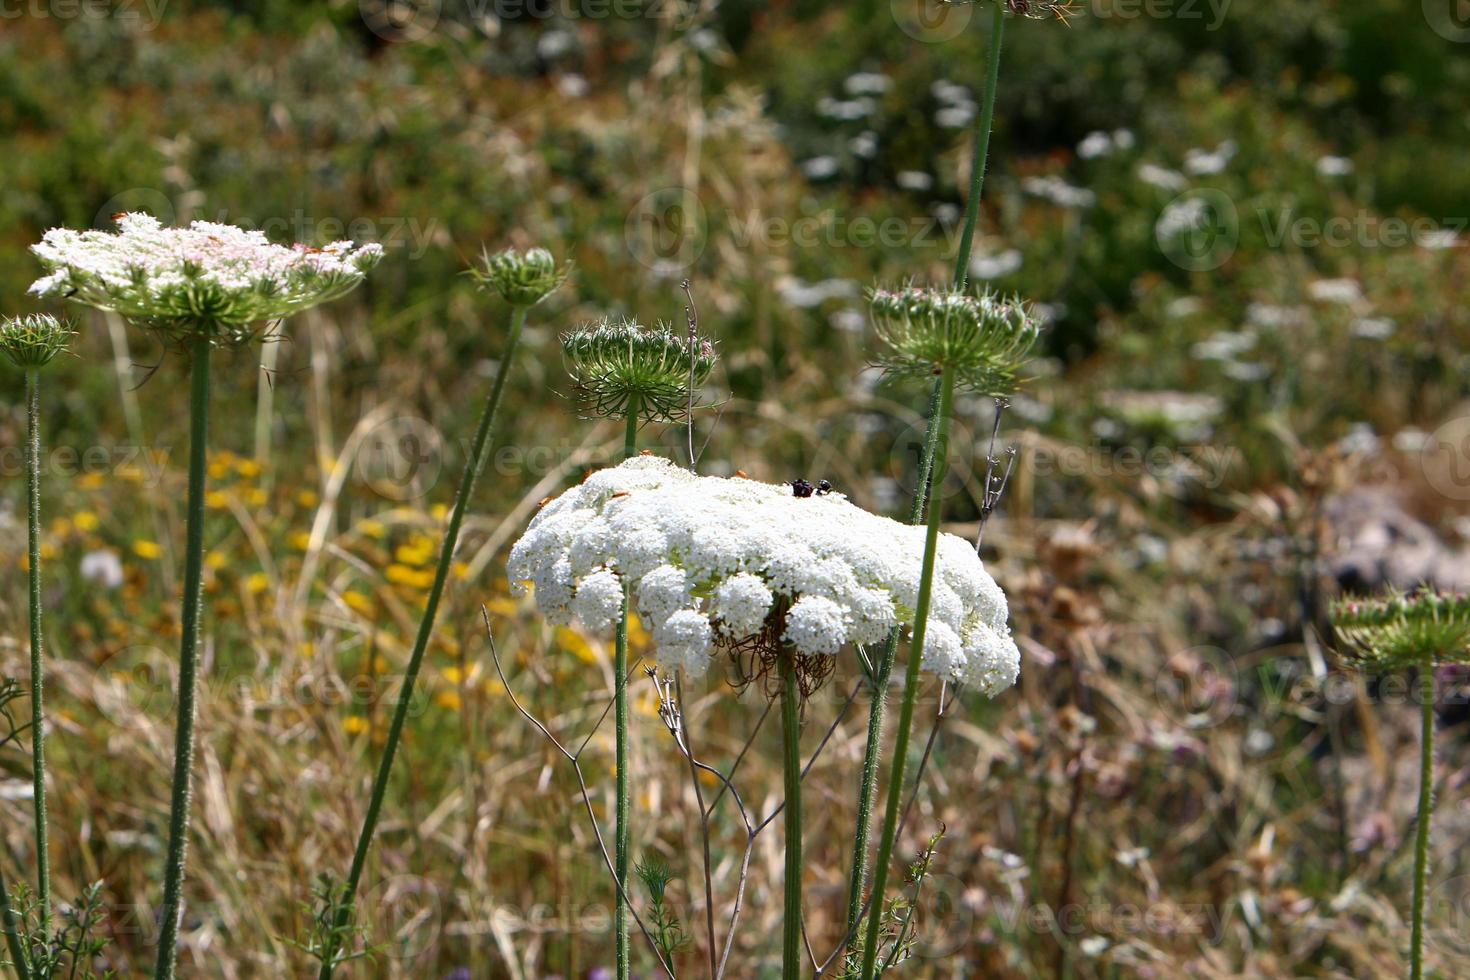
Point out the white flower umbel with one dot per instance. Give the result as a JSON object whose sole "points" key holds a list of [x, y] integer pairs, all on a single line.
{"points": [[208, 276], [710, 558]]}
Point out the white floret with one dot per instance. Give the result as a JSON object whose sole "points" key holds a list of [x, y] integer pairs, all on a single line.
{"points": [[599, 600], [684, 640], [816, 625], [663, 592], [741, 603]]}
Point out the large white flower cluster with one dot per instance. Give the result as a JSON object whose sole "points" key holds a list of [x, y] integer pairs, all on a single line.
{"points": [[708, 557], [206, 272]]}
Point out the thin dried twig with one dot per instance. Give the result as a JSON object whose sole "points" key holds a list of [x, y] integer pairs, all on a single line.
{"points": [[992, 493], [575, 759]]}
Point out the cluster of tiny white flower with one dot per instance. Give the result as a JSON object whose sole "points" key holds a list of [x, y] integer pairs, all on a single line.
{"points": [[708, 558], [205, 271]]}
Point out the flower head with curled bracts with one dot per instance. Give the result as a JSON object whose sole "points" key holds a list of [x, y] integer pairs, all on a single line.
{"points": [[737, 564], [618, 363], [523, 279], [208, 277], [1404, 630], [34, 341], [984, 338]]}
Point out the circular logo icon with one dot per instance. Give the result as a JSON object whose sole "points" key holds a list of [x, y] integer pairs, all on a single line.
{"points": [[1445, 459], [1197, 687], [666, 230], [135, 687], [1447, 917], [964, 471], [403, 914], [400, 21], [401, 459], [147, 200], [1450, 19], [931, 21], [1198, 230]]}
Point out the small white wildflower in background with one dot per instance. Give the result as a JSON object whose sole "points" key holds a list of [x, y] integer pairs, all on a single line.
{"points": [[1203, 163], [867, 83], [1059, 192], [995, 266], [715, 562], [208, 276], [1374, 328], [1095, 144], [1331, 166], [820, 168], [1345, 292], [1162, 177], [102, 567], [913, 180], [1437, 240]]}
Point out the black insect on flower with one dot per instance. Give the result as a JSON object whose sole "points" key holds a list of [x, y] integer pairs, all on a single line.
{"points": [[801, 488], [824, 487]]}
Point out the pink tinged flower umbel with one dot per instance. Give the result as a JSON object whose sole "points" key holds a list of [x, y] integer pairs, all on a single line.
{"points": [[208, 277]]}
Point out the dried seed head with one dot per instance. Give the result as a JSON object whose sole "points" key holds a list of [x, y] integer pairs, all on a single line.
{"points": [[1402, 630], [615, 364], [33, 341], [522, 278], [983, 337]]}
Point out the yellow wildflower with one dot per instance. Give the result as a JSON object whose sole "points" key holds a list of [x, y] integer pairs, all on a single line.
{"points": [[412, 577], [359, 603], [354, 724], [86, 521], [147, 549]]}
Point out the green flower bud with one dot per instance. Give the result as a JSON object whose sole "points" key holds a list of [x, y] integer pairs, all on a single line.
{"points": [[523, 278], [983, 337], [1402, 630], [615, 364], [33, 341]]}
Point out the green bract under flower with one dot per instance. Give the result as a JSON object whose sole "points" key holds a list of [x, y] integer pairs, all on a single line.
{"points": [[982, 337], [615, 364], [522, 278], [1404, 630], [33, 341], [208, 278]]}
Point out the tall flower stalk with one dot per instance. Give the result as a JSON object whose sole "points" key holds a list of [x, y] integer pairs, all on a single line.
{"points": [[791, 771], [31, 343], [977, 341], [206, 286], [1417, 631], [883, 671], [523, 279], [621, 370]]}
